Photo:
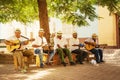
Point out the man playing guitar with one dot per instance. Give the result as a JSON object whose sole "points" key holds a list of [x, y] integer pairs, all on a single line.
{"points": [[91, 44], [15, 44]]}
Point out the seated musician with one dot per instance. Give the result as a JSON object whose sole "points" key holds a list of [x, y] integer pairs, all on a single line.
{"points": [[92, 46], [15, 44], [39, 44], [60, 45], [74, 44], [51, 47]]}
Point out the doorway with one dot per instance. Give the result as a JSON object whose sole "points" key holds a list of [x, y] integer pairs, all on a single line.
{"points": [[118, 30]]}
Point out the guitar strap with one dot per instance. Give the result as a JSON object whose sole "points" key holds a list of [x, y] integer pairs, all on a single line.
{"points": [[24, 37]]}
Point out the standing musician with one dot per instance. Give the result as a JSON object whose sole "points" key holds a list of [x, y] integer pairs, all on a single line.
{"points": [[92, 46], [15, 44]]}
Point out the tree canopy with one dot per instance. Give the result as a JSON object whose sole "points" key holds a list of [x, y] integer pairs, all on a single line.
{"points": [[19, 10], [76, 12], [79, 11]]}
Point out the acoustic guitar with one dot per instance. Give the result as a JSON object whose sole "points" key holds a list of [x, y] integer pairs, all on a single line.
{"points": [[16, 44], [90, 45], [48, 47]]}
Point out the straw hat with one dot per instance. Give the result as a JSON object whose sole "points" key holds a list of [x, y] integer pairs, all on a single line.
{"points": [[41, 30], [94, 35], [74, 32], [59, 33], [17, 30]]}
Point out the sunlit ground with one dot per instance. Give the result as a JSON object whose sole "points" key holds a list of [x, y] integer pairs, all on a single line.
{"points": [[86, 72], [40, 74], [110, 70]]}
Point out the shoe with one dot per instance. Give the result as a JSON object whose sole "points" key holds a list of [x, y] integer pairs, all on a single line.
{"points": [[64, 64], [48, 63], [102, 61], [41, 65], [80, 62], [98, 61], [23, 70], [72, 63]]}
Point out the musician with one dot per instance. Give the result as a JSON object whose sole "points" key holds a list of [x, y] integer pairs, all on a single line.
{"points": [[52, 36], [74, 44], [15, 43], [60, 45], [93, 44], [39, 44]]}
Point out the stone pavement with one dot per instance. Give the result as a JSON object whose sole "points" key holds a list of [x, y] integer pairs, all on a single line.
{"points": [[110, 70], [87, 71]]}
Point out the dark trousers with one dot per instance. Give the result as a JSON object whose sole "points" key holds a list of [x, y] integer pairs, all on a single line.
{"points": [[80, 54], [98, 54]]}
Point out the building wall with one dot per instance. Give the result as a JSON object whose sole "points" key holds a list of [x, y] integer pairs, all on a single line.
{"points": [[106, 27]]}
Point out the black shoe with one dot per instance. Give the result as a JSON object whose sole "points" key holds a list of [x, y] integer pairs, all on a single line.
{"points": [[72, 63], [80, 62], [98, 62], [41, 65], [64, 64], [102, 61]]}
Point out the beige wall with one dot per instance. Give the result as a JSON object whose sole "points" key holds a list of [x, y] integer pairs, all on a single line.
{"points": [[106, 27]]}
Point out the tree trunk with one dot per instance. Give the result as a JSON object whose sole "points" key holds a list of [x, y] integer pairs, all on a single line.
{"points": [[43, 17]]}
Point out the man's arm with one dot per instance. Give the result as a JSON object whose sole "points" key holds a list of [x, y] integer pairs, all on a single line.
{"points": [[36, 46], [8, 42]]}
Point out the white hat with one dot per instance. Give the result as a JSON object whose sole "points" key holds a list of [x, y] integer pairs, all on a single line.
{"points": [[59, 33], [94, 35], [17, 30], [41, 30], [74, 32]]}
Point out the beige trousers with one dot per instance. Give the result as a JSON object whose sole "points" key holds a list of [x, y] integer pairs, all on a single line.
{"points": [[28, 56], [18, 59]]}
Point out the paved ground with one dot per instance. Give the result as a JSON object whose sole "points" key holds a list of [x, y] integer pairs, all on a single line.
{"points": [[105, 71], [87, 71]]}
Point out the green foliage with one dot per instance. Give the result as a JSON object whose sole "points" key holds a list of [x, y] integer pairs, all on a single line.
{"points": [[77, 12], [20, 10], [73, 11], [112, 5]]}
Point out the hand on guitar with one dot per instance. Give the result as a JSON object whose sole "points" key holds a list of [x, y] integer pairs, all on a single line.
{"points": [[12, 45], [90, 45], [36, 46], [27, 41]]}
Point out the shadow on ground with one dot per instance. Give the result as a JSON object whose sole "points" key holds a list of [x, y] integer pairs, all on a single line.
{"points": [[87, 71]]}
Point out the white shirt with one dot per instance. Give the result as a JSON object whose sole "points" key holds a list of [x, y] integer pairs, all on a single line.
{"points": [[73, 41], [91, 40], [38, 41], [61, 42]]}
